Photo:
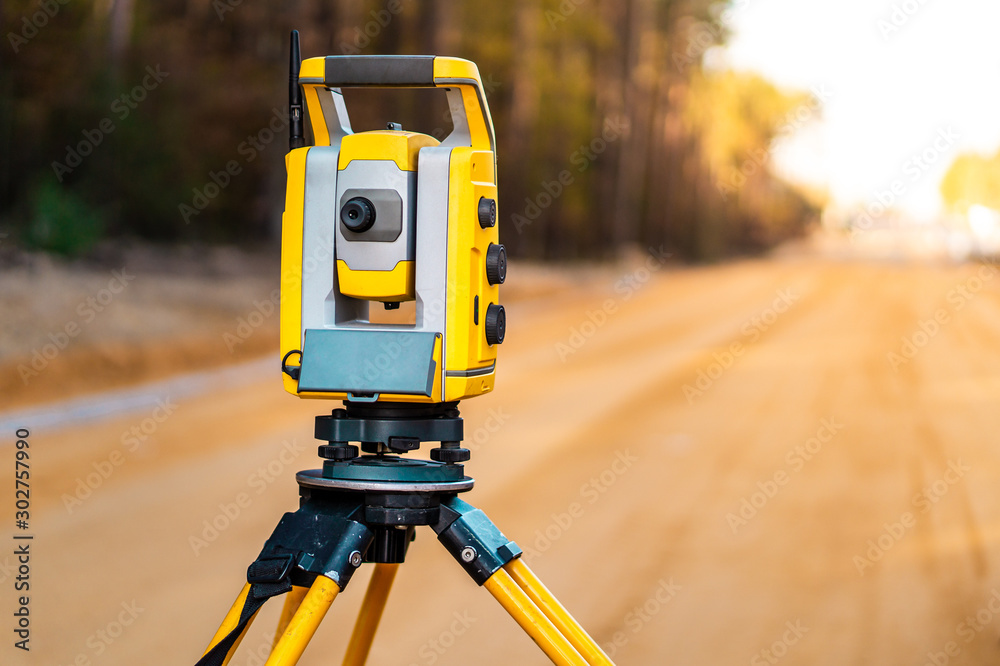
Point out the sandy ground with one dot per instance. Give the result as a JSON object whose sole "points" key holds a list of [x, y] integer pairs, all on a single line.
{"points": [[129, 314], [709, 466]]}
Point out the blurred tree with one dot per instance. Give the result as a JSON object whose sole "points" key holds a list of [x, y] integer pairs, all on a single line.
{"points": [[166, 120], [738, 118]]}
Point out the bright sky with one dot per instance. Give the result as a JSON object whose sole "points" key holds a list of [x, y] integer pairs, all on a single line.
{"points": [[893, 91]]}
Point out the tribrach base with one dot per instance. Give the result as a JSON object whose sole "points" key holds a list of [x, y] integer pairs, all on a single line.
{"points": [[361, 509]]}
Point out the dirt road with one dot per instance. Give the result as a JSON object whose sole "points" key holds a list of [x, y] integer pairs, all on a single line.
{"points": [[790, 461]]}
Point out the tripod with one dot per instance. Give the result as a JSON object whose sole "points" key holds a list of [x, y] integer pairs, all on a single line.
{"points": [[365, 508]]}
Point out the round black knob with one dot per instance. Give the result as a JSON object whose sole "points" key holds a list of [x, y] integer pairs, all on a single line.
{"points": [[456, 455], [496, 264], [496, 324], [487, 212], [338, 453], [358, 214]]}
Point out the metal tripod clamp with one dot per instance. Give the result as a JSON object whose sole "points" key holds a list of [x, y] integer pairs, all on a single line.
{"points": [[474, 541]]}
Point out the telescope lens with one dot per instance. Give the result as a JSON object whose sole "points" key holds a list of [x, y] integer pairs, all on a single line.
{"points": [[358, 215]]}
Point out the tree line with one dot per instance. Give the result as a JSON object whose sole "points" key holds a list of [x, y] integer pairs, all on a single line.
{"points": [[167, 120]]}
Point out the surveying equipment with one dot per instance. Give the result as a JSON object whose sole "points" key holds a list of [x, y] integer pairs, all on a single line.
{"points": [[375, 219]]}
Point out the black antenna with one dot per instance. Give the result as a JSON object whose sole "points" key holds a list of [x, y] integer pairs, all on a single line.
{"points": [[295, 136]]}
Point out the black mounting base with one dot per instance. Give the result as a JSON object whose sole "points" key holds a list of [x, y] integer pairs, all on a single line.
{"points": [[365, 508], [392, 427], [341, 524]]}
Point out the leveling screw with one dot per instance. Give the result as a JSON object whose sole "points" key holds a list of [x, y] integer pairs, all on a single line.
{"points": [[468, 554]]}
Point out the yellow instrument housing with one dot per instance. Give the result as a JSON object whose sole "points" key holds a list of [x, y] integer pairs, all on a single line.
{"points": [[391, 286], [446, 277], [403, 148]]}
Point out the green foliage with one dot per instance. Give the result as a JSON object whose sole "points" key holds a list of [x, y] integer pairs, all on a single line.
{"points": [[60, 221]]}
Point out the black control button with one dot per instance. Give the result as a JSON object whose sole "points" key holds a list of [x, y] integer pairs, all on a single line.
{"points": [[496, 324], [487, 213], [496, 264]]}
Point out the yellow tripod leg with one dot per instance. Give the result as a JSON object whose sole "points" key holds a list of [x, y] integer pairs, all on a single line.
{"points": [[370, 614], [532, 620], [560, 617], [229, 623], [292, 601], [304, 623]]}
